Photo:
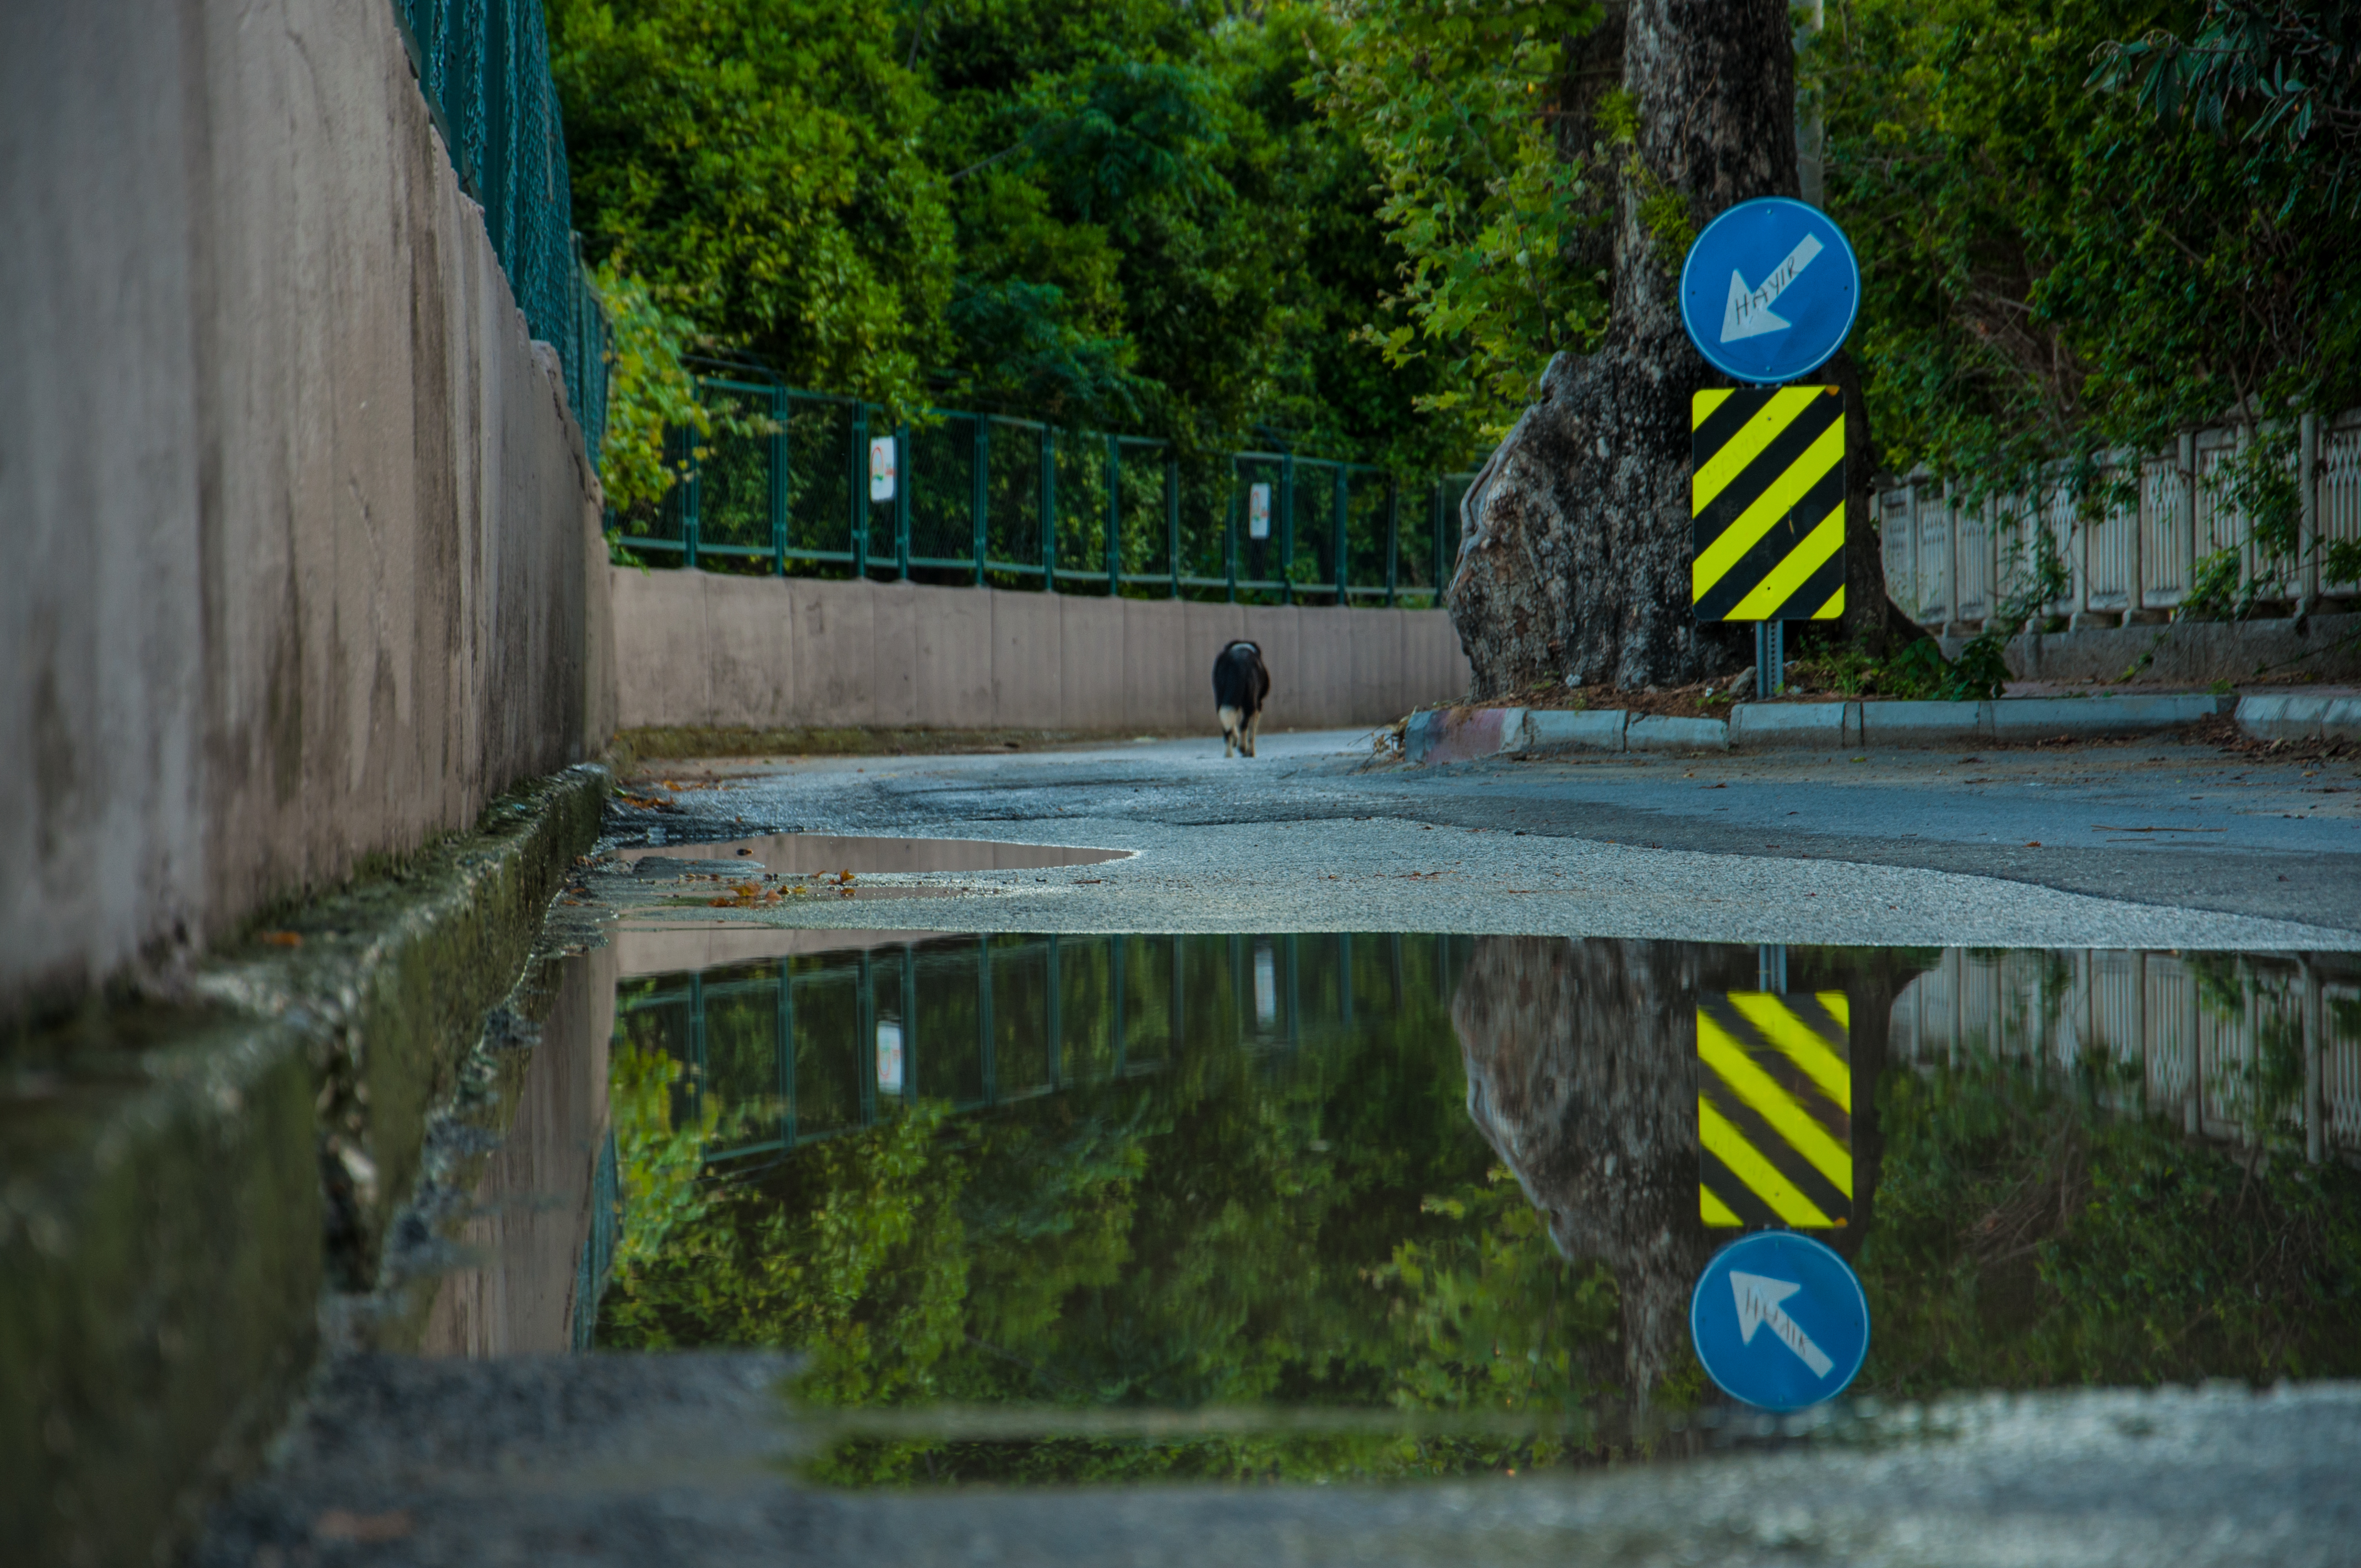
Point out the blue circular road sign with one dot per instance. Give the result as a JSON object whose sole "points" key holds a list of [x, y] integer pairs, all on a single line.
{"points": [[1769, 290], [1780, 1322]]}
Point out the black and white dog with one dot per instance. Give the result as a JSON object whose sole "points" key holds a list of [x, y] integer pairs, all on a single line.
{"points": [[1241, 686]]}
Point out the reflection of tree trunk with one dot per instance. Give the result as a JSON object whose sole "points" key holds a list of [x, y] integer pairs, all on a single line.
{"points": [[1582, 1073]]}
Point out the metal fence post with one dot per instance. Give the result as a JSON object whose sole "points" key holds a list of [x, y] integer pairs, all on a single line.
{"points": [[981, 502], [909, 1024], [1287, 528], [2188, 529], [984, 1029], [689, 498], [905, 479], [1115, 516], [779, 479], [858, 483], [2308, 511], [864, 1049], [1344, 557], [1048, 511], [1054, 1019], [1230, 534], [787, 1027], [1434, 540], [1393, 538], [1172, 520]]}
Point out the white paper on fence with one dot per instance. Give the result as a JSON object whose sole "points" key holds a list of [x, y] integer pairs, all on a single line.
{"points": [[881, 468], [1258, 512], [889, 1058]]}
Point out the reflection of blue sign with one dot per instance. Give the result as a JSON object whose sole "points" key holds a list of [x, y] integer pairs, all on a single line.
{"points": [[1769, 290], [1780, 1322]]}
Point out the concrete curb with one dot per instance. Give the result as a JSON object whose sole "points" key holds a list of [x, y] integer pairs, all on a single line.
{"points": [[2301, 718], [197, 1172], [1455, 735]]}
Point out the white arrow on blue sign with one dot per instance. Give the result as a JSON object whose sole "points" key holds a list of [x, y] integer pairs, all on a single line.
{"points": [[1769, 290], [1780, 1322]]}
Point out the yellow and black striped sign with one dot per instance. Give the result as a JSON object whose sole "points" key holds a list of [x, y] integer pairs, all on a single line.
{"points": [[1775, 1109], [1767, 493]]}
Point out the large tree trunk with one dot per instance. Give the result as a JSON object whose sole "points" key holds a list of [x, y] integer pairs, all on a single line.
{"points": [[1574, 557]]}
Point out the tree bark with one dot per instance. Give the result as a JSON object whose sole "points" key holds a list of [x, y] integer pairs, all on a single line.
{"points": [[1574, 556]]}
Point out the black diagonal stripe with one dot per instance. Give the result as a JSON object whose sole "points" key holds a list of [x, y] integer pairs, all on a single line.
{"points": [[1775, 458], [1735, 1196], [1784, 1157], [1825, 580], [1784, 1070], [1776, 544], [1726, 421], [1814, 1014]]}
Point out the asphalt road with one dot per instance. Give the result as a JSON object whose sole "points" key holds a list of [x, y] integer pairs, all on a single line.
{"points": [[2154, 843]]}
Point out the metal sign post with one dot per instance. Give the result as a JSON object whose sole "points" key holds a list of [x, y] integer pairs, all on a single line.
{"points": [[1768, 294]]}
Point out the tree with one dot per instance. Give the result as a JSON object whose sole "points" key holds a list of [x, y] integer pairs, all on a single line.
{"points": [[1573, 559], [2061, 262]]}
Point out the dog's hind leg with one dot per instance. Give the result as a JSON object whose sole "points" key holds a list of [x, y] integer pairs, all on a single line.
{"points": [[1231, 731], [1254, 724]]}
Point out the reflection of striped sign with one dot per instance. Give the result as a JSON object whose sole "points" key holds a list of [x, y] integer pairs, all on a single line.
{"points": [[1767, 493], [1775, 1109]]}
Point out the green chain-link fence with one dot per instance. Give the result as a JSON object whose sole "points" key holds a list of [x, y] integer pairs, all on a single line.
{"points": [[988, 500], [483, 66]]}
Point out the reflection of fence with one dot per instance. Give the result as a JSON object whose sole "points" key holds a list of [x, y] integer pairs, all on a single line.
{"points": [[485, 73], [816, 1046], [2235, 1046], [2142, 543], [983, 498], [598, 1253]]}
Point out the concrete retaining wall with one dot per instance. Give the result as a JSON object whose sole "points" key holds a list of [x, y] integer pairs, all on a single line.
{"points": [[301, 533], [694, 648], [2194, 652]]}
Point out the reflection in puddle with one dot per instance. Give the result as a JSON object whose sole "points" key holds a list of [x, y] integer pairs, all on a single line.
{"points": [[1311, 1206]]}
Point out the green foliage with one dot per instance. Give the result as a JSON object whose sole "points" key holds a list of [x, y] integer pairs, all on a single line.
{"points": [[1109, 213], [1916, 672], [1451, 103], [760, 160], [2052, 271], [649, 392], [2286, 69]]}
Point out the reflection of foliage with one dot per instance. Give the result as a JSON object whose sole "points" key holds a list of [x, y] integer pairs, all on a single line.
{"points": [[1467, 1309], [864, 1268], [658, 1164], [2024, 1238], [1232, 1228]]}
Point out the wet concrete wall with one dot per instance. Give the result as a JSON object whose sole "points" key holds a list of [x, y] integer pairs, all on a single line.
{"points": [[298, 527], [694, 648]]}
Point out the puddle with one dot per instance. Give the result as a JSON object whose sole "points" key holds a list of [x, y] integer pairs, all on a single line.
{"points": [[1059, 1208], [816, 854]]}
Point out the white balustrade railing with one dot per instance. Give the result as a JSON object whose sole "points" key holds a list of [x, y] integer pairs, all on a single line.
{"points": [[2132, 548], [2264, 1044]]}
